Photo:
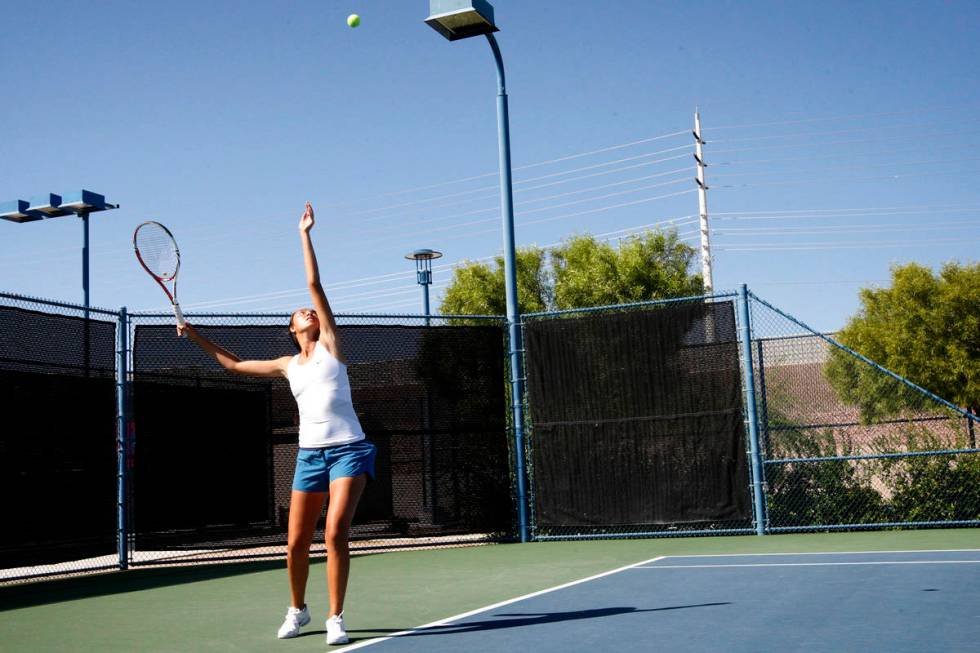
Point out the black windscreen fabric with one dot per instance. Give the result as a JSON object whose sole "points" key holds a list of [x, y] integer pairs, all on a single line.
{"points": [[58, 439], [430, 398], [210, 470], [637, 418]]}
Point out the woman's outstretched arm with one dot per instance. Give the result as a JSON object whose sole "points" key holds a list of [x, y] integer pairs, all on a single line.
{"points": [[231, 362], [328, 326]]}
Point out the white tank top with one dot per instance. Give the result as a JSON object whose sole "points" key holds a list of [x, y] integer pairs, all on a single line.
{"points": [[322, 391]]}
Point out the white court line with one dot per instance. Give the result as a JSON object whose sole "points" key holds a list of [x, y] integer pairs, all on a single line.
{"points": [[457, 617], [819, 553], [821, 564]]}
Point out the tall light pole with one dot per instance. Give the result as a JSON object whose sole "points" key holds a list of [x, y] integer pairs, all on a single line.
{"points": [[460, 19], [423, 271], [49, 205]]}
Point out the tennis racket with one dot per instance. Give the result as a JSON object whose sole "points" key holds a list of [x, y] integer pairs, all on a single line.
{"points": [[157, 252]]}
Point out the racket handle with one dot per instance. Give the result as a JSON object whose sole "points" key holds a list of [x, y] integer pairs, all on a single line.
{"points": [[180, 318]]}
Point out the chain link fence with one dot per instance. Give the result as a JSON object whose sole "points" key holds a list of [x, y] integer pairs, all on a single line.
{"points": [[58, 441], [428, 394], [204, 472], [848, 444], [126, 445]]}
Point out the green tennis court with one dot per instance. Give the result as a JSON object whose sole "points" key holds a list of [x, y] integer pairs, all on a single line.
{"points": [[237, 607]]}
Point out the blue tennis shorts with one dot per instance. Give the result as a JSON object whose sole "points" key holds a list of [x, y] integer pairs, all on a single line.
{"points": [[316, 468]]}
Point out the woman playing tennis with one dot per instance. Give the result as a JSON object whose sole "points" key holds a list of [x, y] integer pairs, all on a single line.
{"points": [[334, 459]]}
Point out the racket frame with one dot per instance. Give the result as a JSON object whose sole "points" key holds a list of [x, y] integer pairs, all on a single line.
{"points": [[160, 280]]}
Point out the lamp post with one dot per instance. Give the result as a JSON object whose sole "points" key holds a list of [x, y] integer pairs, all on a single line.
{"points": [[460, 19], [423, 267], [42, 207], [423, 273]]}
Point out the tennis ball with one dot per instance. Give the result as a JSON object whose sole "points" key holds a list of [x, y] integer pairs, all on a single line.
{"points": [[353, 20]]}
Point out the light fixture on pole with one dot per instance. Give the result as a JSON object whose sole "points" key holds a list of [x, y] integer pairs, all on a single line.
{"points": [[423, 266], [460, 19], [49, 205]]}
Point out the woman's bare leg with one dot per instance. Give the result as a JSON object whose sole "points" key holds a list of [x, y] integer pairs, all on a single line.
{"points": [[344, 495], [304, 510]]}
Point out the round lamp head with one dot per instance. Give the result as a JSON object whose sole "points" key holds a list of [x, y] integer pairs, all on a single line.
{"points": [[423, 255]]}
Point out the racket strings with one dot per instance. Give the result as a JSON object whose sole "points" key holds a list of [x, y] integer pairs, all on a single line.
{"points": [[158, 251]]}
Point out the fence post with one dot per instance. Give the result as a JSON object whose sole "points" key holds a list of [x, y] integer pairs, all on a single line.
{"points": [[763, 407], [515, 325], [528, 450], [122, 437], [752, 416], [970, 428]]}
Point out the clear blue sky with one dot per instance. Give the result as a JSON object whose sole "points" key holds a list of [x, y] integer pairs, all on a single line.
{"points": [[843, 139]]}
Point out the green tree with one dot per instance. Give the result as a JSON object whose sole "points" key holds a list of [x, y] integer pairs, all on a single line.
{"points": [[478, 289], [925, 327], [655, 265], [583, 272]]}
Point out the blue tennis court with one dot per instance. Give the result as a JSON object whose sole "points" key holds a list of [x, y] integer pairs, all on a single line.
{"points": [[878, 601]]}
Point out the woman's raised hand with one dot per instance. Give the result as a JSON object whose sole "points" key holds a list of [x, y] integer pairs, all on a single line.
{"points": [[306, 222]]}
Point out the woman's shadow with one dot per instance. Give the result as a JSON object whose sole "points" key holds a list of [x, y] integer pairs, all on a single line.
{"points": [[519, 620]]}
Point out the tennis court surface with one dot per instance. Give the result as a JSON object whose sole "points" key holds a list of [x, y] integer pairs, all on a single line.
{"points": [[882, 601], [882, 591]]}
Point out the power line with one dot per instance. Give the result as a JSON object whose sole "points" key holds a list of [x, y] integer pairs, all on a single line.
{"points": [[674, 222], [864, 165], [855, 116], [496, 209], [609, 163], [608, 195], [824, 133], [609, 208], [602, 186], [788, 182], [610, 148], [861, 141], [522, 222], [842, 229], [770, 247], [828, 217], [518, 183], [378, 293], [911, 207], [610, 172], [195, 235], [523, 167], [811, 157]]}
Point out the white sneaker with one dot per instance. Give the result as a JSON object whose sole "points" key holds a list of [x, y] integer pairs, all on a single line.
{"points": [[296, 618], [336, 634]]}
